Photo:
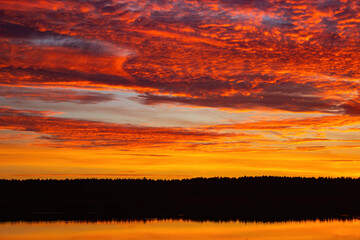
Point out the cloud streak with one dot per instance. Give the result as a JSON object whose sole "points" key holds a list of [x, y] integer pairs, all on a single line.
{"points": [[19, 34], [72, 133], [258, 136], [55, 95]]}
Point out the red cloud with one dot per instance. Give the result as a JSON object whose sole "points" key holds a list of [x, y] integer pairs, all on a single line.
{"points": [[64, 132], [290, 55]]}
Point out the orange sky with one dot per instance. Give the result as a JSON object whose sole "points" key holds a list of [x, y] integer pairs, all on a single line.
{"points": [[174, 89]]}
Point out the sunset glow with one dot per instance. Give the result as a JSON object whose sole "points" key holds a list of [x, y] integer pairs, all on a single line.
{"points": [[179, 89]]}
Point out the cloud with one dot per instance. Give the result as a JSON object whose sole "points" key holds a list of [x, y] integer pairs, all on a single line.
{"points": [[311, 148], [7, 111], [19, 34], [258, 136], [86, 46], [55, 95], [72, 133], [352, 107], [263, 54], [259, 101], [64, 77], [315, 123]]}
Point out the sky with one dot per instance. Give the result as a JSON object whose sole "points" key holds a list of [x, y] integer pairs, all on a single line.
{"points": [[179, 89]]}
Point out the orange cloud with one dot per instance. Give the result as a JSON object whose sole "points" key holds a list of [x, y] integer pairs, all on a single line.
{"points": [[63, 132], [269, 136], [326, 122]]}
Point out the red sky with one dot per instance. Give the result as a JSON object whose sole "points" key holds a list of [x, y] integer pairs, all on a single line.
{"points": [[173, 89]]}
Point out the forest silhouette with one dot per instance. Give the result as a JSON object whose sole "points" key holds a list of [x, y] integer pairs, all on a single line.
{"points": [[246, 198]]}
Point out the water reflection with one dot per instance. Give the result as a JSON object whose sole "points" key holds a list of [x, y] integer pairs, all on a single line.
{"points": [[180, 229]]}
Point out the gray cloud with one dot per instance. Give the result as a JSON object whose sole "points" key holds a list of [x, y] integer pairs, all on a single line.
{"points": [[25, 35], [55, 95]]}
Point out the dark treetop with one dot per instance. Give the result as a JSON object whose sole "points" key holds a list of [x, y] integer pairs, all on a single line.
{"points": [[245, 198]]}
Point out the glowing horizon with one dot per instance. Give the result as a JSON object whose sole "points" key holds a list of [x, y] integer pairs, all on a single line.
{"points": [[177, 89]]}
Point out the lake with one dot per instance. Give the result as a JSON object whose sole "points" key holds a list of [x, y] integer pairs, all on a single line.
{"points": [[180, 229]]}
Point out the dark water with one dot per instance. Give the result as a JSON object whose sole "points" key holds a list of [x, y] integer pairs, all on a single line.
{"points": [[181, 229]]}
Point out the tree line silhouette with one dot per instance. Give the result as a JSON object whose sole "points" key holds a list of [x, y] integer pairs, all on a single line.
{"points": [[246, 198]]}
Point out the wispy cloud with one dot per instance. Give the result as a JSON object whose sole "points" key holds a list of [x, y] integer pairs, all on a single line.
{"points": [[74, 133], [55, 95], [65, 133]]}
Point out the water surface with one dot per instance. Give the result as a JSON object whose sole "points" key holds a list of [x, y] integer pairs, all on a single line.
{"points": [[180, 229]]}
